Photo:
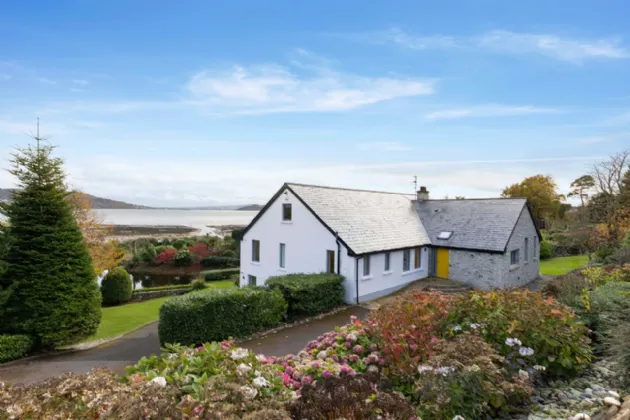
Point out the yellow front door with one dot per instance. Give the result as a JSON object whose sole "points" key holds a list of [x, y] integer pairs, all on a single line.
{"points": [[442, 263]]}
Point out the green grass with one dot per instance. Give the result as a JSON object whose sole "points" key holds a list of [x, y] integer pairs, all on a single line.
{"points": [[562, 265], [118, 320]]}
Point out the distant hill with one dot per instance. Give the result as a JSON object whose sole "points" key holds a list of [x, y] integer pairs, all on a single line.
{"points": [[97, 202], [251, 207]]}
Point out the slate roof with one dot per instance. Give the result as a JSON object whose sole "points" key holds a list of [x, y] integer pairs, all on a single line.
{"points": [[367, 221], [478, 224]]}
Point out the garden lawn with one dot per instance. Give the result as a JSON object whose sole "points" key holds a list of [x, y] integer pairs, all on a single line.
{"points": [[562, 265], [118, 320]]}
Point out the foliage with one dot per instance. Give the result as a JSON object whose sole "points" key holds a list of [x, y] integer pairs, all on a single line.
{"points": [[309, 294], [609, 307], [466, 377], [620, 257], [221, 274], [200, 249], [218, 314], [603, 252], [165, 256], [237, 234], [542, 195], [52, 293], [546, 250], [220, 262], [567, 289], [14, 346], [161, 248], [618, 348], [183, 258], [198, 284], [105, 254], [116, 287], [581, 188], [407, 329], [180, 244], [229, 253], [148, 253], [559, 341]]}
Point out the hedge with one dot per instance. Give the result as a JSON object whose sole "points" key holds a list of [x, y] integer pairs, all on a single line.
{"points": [[222, 262], [160, 288], [116, 287], [309, 294], [221, 274], [14, 346], [218, 314]]}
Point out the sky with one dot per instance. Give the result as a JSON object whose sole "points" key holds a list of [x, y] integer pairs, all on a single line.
{"points": [[194, 103]]}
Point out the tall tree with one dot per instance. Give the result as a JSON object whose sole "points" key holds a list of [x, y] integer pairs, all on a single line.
{"points": [[580, 188], [105, 254], [609, 184], [54, 296], [542, 193]]}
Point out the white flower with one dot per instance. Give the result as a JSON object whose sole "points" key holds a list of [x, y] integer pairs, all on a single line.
{"points": [[239, 353], [159, 381], [243, 368], [474, 326], [322, 355], [513, 341], [526, 351], [424, 368], [260, 382], [457, 328], [458, 417], [473, 368], [612, 401], [351, 337], [248, 392], [540, 368], [444, 370], [523, 374], [581, 416], [261, 358]]}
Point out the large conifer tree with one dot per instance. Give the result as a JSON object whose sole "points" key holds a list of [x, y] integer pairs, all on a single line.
{"points": [[52, 291]]}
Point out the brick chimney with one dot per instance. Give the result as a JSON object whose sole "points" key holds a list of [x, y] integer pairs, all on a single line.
{"points": [[422, 194]]}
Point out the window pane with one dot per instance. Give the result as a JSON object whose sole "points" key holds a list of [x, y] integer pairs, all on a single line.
{"points": [[366, 265], [406, 261], [526, 249], [416, 258], [251, 280], [286, 211], [387, 261], [282, 255], [330, 261], [256, 250]]}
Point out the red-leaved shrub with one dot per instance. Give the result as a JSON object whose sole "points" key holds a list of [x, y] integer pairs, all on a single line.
{"points": [[200, 249], [165, 256]]}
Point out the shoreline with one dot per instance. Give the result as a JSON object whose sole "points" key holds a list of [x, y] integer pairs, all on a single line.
{"points": [[130, 232]]}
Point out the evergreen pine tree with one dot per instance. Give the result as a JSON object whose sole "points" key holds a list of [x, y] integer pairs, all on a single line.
{"points": [[52, 292]]}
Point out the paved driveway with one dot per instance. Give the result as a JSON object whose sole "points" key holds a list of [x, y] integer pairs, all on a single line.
{"points": [[118, 354]]}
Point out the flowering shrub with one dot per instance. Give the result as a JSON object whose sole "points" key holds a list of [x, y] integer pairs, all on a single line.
{"points": [[200, 249], [408, 328], [165, 256], [465, 376], [559, 341]]}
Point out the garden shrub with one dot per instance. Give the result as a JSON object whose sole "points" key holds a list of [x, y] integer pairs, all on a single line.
{"points": [[183, 258], [220, 262], [609, 307], [148, 253], [165, 256], [568, 289], [217, 314], [229, 253], [159, 288], [309, 294], [161, 248], [179, 244], [198, 284], [620, 257], [116, 287], [603, 252], [546, 250], [14, 346], [618, 348], [465, 376], [560, 342], [221, 274], [200, 250]]}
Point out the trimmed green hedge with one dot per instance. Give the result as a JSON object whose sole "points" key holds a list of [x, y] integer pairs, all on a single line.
{"points": [[222, 262], [116, 287], [546, 250], [221, 274], [14, 346], [309, 294], [218, 314], [159, 288]]}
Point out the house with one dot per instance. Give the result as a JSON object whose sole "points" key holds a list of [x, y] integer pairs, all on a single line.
{"points": [[381, 241]]}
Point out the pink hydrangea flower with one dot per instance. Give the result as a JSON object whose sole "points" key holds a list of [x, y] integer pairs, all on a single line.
{"points": [[358, 349], [373, 347], [381, 361], [307, 380], [348, 345], [335, 358], [326, 374], [353, 358]]}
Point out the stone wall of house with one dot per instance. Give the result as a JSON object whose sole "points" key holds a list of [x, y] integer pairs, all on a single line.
{"points": [[528, 269], [479, 270]]}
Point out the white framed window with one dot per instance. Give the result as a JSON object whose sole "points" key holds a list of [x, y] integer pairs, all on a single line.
{"points": [[287, 212], [387, 261], [526, 249], [515, 257], [251, 280], [406, 260], [282, 261], [255, 250], [417, 258], [366, 266]]}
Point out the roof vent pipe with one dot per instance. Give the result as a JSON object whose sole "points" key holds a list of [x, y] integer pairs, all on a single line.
{"points": [[422, 194]]}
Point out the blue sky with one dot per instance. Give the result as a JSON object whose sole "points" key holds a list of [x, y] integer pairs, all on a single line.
{"points": [[199, 102]]}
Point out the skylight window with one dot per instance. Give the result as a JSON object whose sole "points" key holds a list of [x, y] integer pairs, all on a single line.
{"points": [[445, 235]]}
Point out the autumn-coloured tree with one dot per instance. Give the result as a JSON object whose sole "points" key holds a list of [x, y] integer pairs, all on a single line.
{"points": [[106, 254], [542, 194]]}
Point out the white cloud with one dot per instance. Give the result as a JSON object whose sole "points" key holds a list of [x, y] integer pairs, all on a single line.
{"points": [[508, 42], [314, 88], [45, 80], [385, 146], [487, 111], [80, 82]]}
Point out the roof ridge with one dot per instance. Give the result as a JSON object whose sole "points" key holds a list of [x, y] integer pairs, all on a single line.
{"points": [[346, 189], [474, 199]]}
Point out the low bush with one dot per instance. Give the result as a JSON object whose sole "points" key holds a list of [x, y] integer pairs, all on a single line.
{"points": [[159, 288], [546, 250], [618, 348], [198, 284], [309, 294], [609, 307], [217, 314], [229, 253], [165, 256], [148, 253], [179, 244], [183, 258], [116, 287], [221, 274], [568, 289], [200, 250], [161, 248], [14, 346], [220, 262], [604, 252], [559, 341]]}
